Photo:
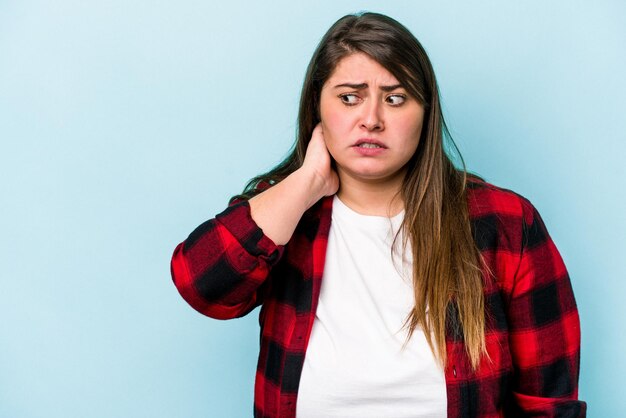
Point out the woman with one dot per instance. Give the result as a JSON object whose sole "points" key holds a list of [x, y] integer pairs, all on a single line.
{"points": [[431, 293]]}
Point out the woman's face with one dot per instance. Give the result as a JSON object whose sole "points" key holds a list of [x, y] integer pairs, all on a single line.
{"points": [[371, 124]]}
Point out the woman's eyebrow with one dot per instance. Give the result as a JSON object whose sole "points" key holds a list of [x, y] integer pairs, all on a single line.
{"points": [[361, 86]]}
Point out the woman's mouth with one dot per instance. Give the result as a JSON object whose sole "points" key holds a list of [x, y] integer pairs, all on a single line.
{"points": [[368, 145]]}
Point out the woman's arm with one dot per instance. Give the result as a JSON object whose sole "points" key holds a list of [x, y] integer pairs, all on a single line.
{"points": [[544, 327], [278, 209], [220, 269]]}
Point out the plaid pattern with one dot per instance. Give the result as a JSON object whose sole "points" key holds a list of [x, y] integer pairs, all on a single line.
{"points": [[227, 267]]}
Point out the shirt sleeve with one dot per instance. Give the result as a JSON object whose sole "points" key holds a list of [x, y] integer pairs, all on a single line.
{"points": [[544, 328], [221, 268]]}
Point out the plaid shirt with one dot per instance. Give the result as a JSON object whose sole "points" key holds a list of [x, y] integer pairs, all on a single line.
{"points": [[227, 267]]}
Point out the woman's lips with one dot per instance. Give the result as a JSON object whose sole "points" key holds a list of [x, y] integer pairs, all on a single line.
{"points": [[369, 141], [369, 147], [370, 152]]}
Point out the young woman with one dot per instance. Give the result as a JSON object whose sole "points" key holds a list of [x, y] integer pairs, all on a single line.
{"points": [[391, 283]]}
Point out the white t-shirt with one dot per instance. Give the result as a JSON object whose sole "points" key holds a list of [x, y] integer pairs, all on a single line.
{"points": [[354, 364]]}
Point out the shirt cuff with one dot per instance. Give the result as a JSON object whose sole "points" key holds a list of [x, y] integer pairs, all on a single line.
{"points": [[237, 219]]}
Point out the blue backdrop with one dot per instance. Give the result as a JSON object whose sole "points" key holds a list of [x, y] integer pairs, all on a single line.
{"points": [[123, 125]]}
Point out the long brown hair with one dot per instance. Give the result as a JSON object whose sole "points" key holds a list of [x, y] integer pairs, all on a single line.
{"points": [[447, 278]]}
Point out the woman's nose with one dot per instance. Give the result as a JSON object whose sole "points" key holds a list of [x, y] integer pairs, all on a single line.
{"points": [[372, 118]]}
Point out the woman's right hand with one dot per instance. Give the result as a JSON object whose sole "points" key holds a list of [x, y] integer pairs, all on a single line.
{"points": [[278, 209], [317, 162]]}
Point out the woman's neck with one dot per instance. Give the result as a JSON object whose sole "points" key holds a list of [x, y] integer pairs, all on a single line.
{"points": [[377, 198]]}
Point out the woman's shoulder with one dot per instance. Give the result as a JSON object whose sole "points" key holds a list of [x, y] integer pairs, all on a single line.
{"points": [[487, 199]]}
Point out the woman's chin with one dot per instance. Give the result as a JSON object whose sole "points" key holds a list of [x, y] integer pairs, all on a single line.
{"points": [[370, 175]]}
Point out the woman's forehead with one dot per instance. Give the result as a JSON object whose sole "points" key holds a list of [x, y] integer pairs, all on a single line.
{"points": [[358, 68]]}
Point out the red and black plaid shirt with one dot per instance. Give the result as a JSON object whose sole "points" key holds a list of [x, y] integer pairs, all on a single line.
{"points": [[227, 267]]}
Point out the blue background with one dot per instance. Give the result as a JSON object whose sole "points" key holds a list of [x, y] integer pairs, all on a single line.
{"points": [[124, 125]]}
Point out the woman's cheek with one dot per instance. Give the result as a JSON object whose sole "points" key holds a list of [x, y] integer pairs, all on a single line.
{"points": [[337, 128]]}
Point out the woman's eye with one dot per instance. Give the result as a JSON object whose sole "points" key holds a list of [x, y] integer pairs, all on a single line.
{"points": [[349, 99], [396, 99]]}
